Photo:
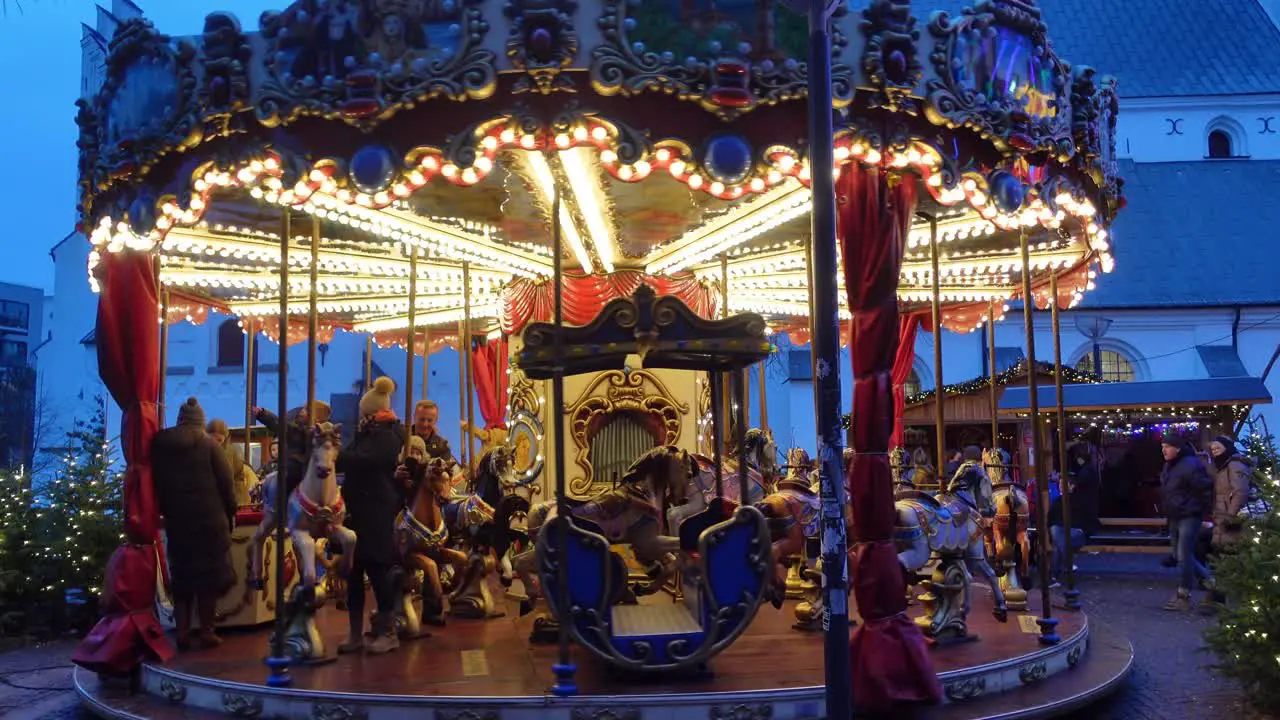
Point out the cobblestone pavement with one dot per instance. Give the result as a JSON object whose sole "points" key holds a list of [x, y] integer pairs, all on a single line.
{"points": [[1170, 680]]}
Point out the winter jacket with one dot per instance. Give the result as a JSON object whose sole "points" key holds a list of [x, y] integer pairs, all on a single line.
{"points": [[1230, 493], [369, 488], [1185, 486], [193, 489], [298, 437], [1084, 500]]}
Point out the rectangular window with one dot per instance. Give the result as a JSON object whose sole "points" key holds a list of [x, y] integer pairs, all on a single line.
{"points": [[13, 353], [15, 314]]}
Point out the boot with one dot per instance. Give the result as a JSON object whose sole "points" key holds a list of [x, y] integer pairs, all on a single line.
{"points": [[1208, 604], [384, 643], [1180, 602]]}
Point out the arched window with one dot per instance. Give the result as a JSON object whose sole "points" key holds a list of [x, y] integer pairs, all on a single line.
{"points": [[1226, 138], [912, 385], [230, 344], [1219, 144], [1115, 366]]}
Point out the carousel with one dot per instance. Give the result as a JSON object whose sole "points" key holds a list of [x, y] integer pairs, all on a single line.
{"points": [[608, 209]]}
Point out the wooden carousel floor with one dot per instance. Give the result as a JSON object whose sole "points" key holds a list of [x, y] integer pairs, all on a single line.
{"points": [[494, 658]]}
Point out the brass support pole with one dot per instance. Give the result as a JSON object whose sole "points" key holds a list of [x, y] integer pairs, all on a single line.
{"points": [[411, 337], [991, 373], [164, 352], [368, 362], [1048, 624], [939, 410], [250, 361], [810, 272], [499, 349], [279, 660], [1071, 594], [762, 392], [564, 668], [470, 366], [726, 398], [313, 321], [462, 395]]}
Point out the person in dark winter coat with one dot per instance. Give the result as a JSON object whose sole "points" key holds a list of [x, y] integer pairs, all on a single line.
{"points": [[373, 498], [193, 489], [1083, 484], [1186, 495], [299, 437], [1232, 478]]}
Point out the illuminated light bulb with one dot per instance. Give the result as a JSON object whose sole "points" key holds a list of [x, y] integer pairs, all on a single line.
{"points": [[562, 141], [716, 188], [773, 177], [489, 143], [527, 142], [316, 176], [449, 170], [695, 181], [757, 184], [580, 133], [255, 193], [484, 164], [786, 163], [835, 173], [507, 136], [858, 148], [899, 160], [663, 155], [677, 168], [804, 173], [642, 168], [842, 153], [625, 172], [913, 156], [872, 157], [598, 133], [608, 157]]}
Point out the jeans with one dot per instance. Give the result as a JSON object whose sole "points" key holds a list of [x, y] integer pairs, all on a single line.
{"points": [[1184, 533], [1057, 538]]}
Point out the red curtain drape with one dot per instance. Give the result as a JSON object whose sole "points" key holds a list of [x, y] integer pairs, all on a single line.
{"points": [[491, 389], [525, 301], [903, 361], [890, 660], [129, 364]]}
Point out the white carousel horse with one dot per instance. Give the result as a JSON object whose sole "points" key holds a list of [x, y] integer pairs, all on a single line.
{"points": [[315, 511], [951, 526]]}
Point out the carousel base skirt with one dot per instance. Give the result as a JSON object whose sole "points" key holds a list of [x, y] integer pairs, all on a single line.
{"points": [[487, 670]]}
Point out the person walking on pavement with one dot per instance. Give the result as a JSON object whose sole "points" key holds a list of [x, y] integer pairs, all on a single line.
{"points": [[1186, 495]]}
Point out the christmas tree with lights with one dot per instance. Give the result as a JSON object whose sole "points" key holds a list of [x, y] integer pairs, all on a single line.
{"points": [[17, 551], [1246, 639]]}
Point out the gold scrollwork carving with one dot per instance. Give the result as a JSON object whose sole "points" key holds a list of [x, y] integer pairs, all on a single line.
{"points": [[619, 391]]}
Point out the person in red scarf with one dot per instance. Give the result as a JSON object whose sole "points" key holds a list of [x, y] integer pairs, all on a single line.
{"points": [[373, 499]]}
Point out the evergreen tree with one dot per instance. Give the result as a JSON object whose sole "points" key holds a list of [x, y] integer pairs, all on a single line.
{"points": [[1246, 639], [18, 592]]}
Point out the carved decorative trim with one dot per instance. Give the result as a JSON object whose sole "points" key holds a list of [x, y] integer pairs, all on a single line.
{"points": [[889, 59], [334, 711], [242, 705], [742, 712], [638, 391], [1032, 673], [1004, 120], [172, 690], [225, 55], [467, 715], [541, 44], [605, 714], [728, 85], [966, 689], [1073, 655], [380, 60]]}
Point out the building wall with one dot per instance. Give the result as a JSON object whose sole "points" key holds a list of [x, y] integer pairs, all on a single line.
{"points": [[1177, 129], [21, 332]]}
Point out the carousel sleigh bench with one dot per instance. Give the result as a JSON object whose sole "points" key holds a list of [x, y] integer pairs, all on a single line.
{"points": [[722, 586]]}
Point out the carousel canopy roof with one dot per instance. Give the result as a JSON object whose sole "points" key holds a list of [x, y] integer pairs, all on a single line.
{"points": [[1200, 255], [1158, 48], [665, 139], [1145, 396]]}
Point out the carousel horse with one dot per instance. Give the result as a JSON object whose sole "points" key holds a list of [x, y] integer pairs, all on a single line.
{"points": [[495, 475], [799, 470], [794, 514], [630, 513], [899, 468], [810, 610], [1006, 535], [315, 511], [761, 452], [762, 462], [422, 539], [951, 526]]}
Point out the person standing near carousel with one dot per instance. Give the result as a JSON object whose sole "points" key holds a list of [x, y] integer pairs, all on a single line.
{"points": [[373, 497], [426, 424], [193, 490], [243, 478], [299, 429]]}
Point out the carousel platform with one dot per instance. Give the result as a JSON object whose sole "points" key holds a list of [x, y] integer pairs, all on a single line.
{"points": [[487, 670]]}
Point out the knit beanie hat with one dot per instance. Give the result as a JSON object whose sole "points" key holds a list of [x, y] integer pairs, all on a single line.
{"points": [[1173, 439], [320, 412], [378, 398], [191, 413]]}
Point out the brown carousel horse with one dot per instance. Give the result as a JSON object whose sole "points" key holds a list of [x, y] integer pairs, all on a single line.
{"points": [[630, 513], [422, 538], [1006, 535]]}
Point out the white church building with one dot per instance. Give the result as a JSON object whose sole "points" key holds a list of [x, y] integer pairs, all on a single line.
{"points": [[1195, 292]]}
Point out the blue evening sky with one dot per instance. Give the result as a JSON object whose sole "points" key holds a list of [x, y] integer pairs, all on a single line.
{"points": [[40, 81]]}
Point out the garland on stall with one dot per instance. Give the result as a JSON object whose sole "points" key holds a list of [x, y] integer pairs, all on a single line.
{"points": [[1017, 371]]}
